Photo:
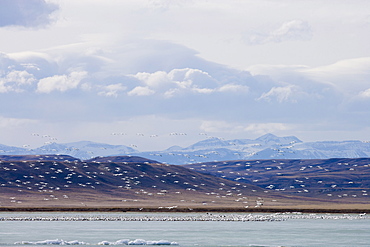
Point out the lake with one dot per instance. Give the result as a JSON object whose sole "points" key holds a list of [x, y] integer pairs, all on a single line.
{"points": [[199, 229]]}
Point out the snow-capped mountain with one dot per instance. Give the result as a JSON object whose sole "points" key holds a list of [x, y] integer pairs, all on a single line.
{"points": [[82, 150], [10, 150], [267, 146]]}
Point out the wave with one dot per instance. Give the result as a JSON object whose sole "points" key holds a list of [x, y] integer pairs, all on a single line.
{"points": [[118, 242]]}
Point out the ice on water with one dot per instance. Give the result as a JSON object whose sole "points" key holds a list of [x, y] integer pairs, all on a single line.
{"points": [[51, 242], [138, 242], [118, 242]]}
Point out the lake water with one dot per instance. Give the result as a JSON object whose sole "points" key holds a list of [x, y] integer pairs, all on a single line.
{"points": [[299, 231]]}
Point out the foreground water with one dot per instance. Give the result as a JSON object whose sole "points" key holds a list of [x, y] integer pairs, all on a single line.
{"points": [[18, 229]]}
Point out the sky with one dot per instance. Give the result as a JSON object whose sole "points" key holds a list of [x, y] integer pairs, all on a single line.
{"points": [[158, 73]]}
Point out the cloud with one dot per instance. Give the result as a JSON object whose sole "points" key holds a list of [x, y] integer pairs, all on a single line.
{"points": [[294, 84], [186, 81], [281, 94], [60, 83], [157, 79], [350, 76], [26, 13], [165, 5], [222, 127], [234, 88], [15, 122], [263, 128], [141, 91], [121, 82], [294, 30], [112, 90], [16, 81], [365, 94]]}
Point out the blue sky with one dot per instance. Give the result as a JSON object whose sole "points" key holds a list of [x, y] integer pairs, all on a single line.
{"points": [[158, 73]]}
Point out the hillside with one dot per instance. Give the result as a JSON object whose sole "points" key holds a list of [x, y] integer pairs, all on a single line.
{"points": [[58, 182], [41, 182], [338, 179]]}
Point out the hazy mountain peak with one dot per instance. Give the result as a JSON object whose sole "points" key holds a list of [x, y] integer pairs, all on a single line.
{"points": [[174, 148], [273, 138]]}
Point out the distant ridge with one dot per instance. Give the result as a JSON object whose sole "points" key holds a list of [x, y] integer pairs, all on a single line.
{"points": [[51, 157], [268, 146], [275, 139], [136, 159]]}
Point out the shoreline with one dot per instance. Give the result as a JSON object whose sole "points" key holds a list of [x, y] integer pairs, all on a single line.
{"points": [[184, 210]]}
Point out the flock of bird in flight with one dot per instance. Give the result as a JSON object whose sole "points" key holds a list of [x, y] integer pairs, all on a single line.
{"points": [[69, 174]]}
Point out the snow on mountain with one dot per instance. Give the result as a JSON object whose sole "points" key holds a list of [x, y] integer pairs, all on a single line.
{"points": [[82, 150], [10, 150], [270, 139], [267, 146]]}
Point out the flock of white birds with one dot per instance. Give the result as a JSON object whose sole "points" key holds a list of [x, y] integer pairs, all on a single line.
{"points": [[59, 180]]}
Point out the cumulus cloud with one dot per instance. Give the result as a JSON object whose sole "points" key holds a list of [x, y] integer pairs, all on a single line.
{"points": [[29, 13], [281, 94], [141, 91], [294, 30], [158, 79], [15, 81], [269, 99], [112, 90], [234, 88], [60, 83], [184, 81]]}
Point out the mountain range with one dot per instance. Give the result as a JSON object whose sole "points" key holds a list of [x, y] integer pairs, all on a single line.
{"points": [[268, 146]]}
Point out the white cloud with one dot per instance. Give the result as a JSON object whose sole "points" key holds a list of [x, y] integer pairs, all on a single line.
{"points": [[176, 77], [365, 94], [281, 94], [29, 13], [112, 90], [349, 76], [234, 88], [15, 81], [157, 79], [220, 127], [203, 90], [263, 128], [141, 91], [187, 80], [294, 30], [236, 128], [61, 83], [165, 5], [15, 122], [291, 30]]}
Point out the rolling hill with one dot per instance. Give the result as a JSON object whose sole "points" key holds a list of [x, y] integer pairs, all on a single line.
{"points": [[267, 146], [59, 181], [135, 183], [339, 178]]}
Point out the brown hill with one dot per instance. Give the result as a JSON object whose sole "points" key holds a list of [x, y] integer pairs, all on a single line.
{"points": [[56, 184], [39, 183], [341, 180]]}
